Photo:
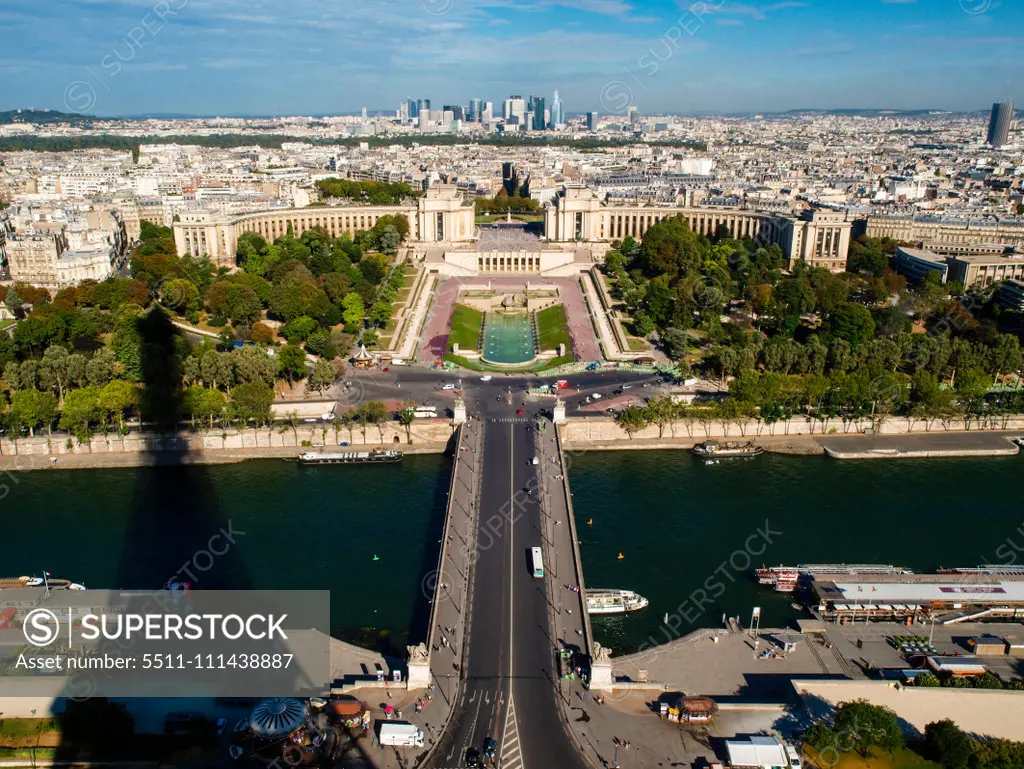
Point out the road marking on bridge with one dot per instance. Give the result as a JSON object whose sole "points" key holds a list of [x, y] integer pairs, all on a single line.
{"points": [[512, 420], [511, 756]]}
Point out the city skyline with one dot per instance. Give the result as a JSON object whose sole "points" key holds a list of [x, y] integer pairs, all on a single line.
{"points": [[130, 57]]}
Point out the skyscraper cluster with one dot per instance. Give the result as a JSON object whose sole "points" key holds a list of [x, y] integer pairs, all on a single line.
{"points": [[516, 113]]}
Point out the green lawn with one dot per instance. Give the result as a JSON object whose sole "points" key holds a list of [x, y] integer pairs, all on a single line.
{"points": [[491, 218], [636, 345], [880, 759], [465, 329], [552, 328]]}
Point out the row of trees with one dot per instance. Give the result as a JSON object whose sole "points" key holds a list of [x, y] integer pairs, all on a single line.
{"points": [[810, 321], [504, 202], [862, 728], [759, 401], [373, 193]]}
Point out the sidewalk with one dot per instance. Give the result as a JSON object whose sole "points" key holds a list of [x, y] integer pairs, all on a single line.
{"points": [[448, 585], [569, 619]]}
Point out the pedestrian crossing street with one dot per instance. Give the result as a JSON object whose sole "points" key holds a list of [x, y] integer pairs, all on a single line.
{"points": [[511, 756]]}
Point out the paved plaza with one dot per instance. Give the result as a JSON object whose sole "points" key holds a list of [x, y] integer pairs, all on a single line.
{"points": [[434, 339]]}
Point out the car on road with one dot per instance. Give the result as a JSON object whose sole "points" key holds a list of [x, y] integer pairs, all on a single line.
{"points": [[626, 386], [618, 392], [596, 396], [448, 387], [486, 378], [473, 760], [519, 412], [490, 748], [535, 461]]}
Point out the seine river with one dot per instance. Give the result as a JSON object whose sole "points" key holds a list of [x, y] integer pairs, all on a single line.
{"points": [[681, 525], [293, 528]]}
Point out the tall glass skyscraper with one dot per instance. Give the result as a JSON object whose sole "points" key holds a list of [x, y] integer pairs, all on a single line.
{"points": [[475, 110], [536, 108], [999, 123], [557, 112]]}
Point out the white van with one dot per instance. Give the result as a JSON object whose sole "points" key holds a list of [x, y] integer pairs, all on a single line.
{"points": [[401, 734], [397, 362], [535, 461]]}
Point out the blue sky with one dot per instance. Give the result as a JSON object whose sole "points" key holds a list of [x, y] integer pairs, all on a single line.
{"points": [[218, 57]]}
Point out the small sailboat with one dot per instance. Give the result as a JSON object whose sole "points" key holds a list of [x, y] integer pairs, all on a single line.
{"points": [[376, 557], [621, 556], [590, 522]]}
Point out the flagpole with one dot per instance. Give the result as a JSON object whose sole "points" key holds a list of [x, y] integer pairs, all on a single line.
{"points": [[46, 582]]}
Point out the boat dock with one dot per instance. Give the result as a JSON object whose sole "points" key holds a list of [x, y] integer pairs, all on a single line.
{"points": [[376, 456], [54, 583], [921, 445], [941, 598]]}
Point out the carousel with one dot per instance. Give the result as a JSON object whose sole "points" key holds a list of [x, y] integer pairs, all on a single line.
{"points": [[364, 358], [298, 732]]}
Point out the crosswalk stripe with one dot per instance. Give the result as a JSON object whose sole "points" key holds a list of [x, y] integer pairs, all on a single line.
{"points": [[511, 757]]}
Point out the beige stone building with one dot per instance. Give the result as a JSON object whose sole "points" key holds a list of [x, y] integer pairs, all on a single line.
{"points": [[441, 216], [935, 234], [578, 229], [821, 238]]}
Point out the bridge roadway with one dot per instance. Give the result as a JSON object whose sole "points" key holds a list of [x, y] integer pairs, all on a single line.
{"points": [[509, 676]]}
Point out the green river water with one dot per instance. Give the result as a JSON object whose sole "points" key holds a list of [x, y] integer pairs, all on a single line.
{"points": [[675, 520]]}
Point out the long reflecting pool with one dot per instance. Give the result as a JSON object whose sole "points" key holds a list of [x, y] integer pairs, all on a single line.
{"points": [[508, 337]]}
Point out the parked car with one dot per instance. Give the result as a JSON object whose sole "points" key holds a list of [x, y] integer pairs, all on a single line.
{"points": [[447, 387], [486, 378], [596, 396]]}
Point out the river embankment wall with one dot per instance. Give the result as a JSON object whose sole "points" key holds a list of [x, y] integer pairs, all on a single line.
{"points": [[794, 436], [428, 436]]}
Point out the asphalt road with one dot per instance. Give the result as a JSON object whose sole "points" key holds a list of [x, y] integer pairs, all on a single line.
{"points": [[424, 387], [508, 691]]}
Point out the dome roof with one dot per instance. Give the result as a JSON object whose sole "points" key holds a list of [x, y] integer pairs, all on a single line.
{"points": [[277, 717]]}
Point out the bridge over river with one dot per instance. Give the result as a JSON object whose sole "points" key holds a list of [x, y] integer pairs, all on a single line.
{"points": [[503, 671]]}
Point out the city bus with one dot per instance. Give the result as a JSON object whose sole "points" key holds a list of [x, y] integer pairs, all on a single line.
{"points": [[425, 412], [538, 562]]}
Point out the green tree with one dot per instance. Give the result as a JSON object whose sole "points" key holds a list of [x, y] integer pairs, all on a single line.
{"points": [[948, 744], [204, 404], [101, 368], [291, 363], [676, 342], [321, 378], [250, 402], [34, 409], [374, 413], [851, 323], [180, 295], [866, 726], [406, 416], [632, 420], [127, 341], [118, 399], [353, 309], [929, 680], [642, 324], [252, 364], [53, 370], [81, 411]]}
